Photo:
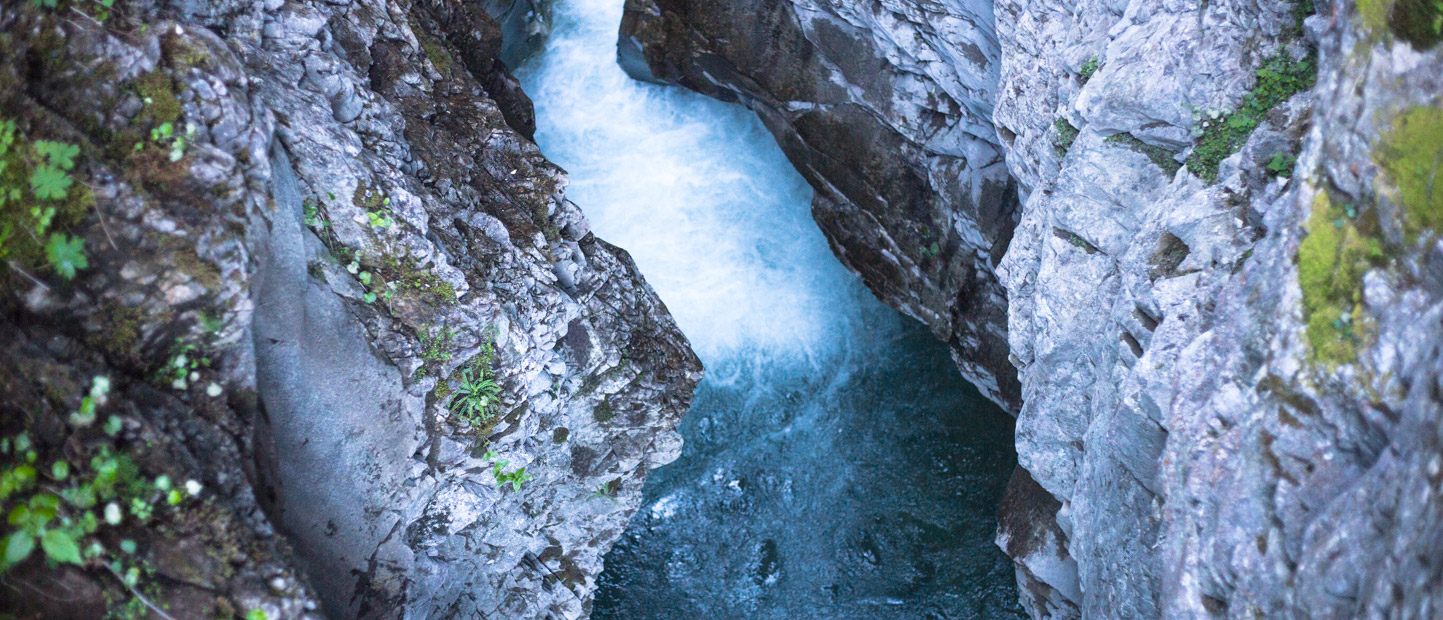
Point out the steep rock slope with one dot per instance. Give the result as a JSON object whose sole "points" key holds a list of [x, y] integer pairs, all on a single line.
{"points": [[1223, 291], [1231, 368], [885, 109], [306, 227]]}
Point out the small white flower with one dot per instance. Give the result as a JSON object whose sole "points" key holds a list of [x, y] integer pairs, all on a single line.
{"points": [[194, 376], [213, 390], [181, 361], [179, 30], [178, 384], [112, 513], [192, 487]]}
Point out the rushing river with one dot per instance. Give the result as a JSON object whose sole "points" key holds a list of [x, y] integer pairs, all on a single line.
{"points": [[836, 466]]}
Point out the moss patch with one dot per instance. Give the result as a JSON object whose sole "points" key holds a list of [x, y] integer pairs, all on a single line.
{"points": [[1419, 22], [1331, 263], [1411, 154], [1279, 79], [1160, 156], [416, 281], [157, 90]]}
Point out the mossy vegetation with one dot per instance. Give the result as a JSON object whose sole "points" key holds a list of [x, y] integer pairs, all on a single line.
{"points": [[1419, 22], [1279, 78], [157, 91], [78, 501], [40, 206], [1066, 135], [1088, 69], [1411, 155], [1164, 158], [1340, 247]]}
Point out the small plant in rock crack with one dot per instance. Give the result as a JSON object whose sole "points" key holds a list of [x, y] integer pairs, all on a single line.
{"points": [[183, 368], [1282, 164], [478, 393], [37, 175], [313, 217], [503, 477], [607, 490], [1088, 68], [165, 135]]}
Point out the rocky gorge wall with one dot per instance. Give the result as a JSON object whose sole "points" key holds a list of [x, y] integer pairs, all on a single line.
{"points": [[1222, 290], [298, 322]]}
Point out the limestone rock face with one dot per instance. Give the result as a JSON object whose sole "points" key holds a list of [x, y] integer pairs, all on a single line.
{"points": [[337, 208], [1223, 292], [1232, 406], [886, 109]]}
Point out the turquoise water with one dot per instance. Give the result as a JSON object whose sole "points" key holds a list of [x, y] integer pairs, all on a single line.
{"points": [[836, 466]]}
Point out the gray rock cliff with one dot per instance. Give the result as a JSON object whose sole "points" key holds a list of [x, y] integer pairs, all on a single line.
{"points": [[1222, 292], [307, 226]]}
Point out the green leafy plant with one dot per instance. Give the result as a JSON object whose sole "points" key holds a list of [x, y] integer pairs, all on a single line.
{"points": [[1282, 164], [1066, 135], [503, 477], [312, 216], [37, 195], [1088, 68], [436, 348], [66, 254], [165, 135], [380, 218], [477, 395], [1220, 135], [183, 367]]}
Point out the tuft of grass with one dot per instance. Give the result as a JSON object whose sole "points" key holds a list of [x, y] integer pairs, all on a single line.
{"points": [[1331, 262], [1279, 79], [1411, 154]]}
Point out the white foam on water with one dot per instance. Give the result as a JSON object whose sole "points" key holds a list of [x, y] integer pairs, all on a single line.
{"points": [[699, 193]]}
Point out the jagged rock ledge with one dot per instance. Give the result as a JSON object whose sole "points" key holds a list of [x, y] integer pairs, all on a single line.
{"points": [[1222, 293], [337, 208]]}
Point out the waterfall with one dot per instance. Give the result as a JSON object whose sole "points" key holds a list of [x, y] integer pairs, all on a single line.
{"points": [[836, 466]]}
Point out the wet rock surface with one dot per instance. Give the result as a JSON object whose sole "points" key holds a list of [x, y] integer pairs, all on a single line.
{"points": [[1221, 292], [355, 224]]}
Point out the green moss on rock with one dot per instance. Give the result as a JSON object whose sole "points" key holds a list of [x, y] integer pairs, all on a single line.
{"points": [[1331, 263], [1419, 22], [1411, 155], [157, 90]]}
